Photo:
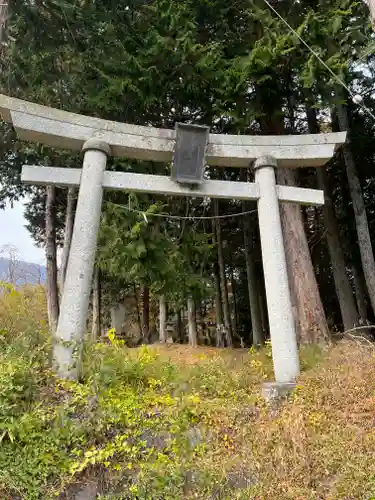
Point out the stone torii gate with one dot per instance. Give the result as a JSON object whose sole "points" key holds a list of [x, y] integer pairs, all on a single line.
{"points": [[99, 139]]}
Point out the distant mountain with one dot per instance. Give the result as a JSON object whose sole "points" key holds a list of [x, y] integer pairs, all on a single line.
{"points": [[21, 273]]}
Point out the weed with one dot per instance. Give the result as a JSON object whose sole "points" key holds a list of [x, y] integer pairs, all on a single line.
{"points": [[180, 423]]}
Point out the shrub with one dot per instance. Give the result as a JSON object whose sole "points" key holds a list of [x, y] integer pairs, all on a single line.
{"points": [[145, 427], [23, 315]]}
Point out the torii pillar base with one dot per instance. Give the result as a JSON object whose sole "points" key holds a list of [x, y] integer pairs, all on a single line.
{"points": [[274, 392]]}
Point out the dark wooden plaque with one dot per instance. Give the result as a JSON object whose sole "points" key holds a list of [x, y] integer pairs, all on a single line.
{"points": [[189, 154]]}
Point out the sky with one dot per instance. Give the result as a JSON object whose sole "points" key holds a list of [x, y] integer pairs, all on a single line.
{"points": [[14, 233]]}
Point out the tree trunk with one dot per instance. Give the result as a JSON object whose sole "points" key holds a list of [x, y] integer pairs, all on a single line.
{"points": [[254, 299], [162, 319], [360, 292], [261, 288], [218, 308], [4, 17], [350, 248], [95, 330], [310, 321], [69, 223], [371, 7], [118, 315], [363, 233], [192, 324], [343, 288], [218, 303], [235, 318], [146, 314], [223, 279], [52, 288], [263, 309], [139, 320], [180, 327]]}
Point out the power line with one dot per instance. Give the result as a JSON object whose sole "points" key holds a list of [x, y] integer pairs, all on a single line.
{"points": [[145, 214], [336, 77]]}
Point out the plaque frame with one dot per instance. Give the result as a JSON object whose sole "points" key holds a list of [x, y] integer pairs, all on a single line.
{"points": [[189, 153]]}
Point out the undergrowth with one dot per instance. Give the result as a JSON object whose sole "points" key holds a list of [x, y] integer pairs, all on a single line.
{"points": [[180, 423]]}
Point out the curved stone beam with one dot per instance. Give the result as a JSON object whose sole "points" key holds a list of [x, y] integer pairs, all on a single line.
{"points": [[62, 129]]}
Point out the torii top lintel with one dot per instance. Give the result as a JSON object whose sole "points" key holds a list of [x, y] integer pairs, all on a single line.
{"points": [[62, 129]]}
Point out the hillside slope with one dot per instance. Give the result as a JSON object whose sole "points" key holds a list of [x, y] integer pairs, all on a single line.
{"points": [[180, 423], [176, 423]]}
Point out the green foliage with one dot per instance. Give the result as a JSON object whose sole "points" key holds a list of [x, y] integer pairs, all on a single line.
{"points": [[126, 418], [176, 424], [132, 246], [233, 66], [22, 315], [138, 247]]}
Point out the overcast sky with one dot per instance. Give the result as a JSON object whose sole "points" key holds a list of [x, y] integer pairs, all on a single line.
{"points": [[13, 232]]}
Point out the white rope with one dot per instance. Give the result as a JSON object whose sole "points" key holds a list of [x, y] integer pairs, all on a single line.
{"points": [[145, 214], [336, 77]]}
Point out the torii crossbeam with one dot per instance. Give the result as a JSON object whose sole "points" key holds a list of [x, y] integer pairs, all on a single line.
{"points": [[100, 138]]}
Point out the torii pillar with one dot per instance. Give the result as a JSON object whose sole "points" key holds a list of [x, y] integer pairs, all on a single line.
{"points": [[279, 303], [79, 273]]}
